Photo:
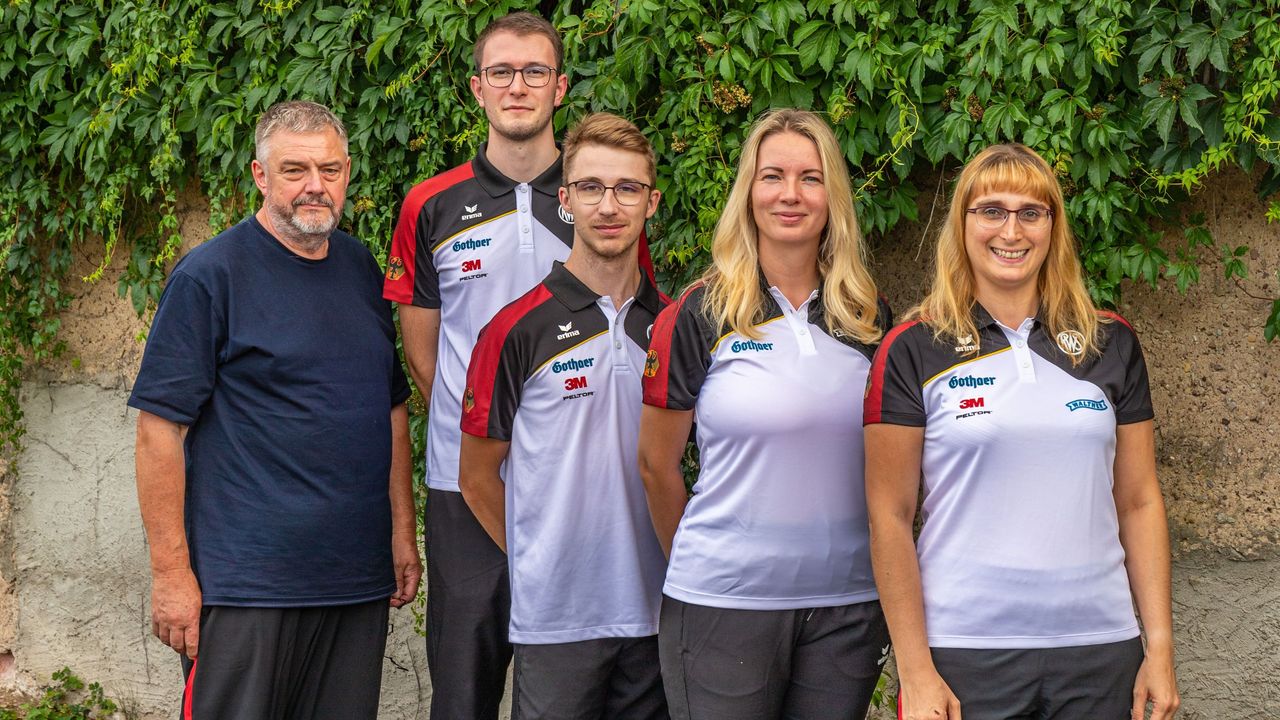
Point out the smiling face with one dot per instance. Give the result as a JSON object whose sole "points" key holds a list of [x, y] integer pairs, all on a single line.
{"points": [[518, 112], [303, 184], [1007, 258], [788, 195], [608, 229]]}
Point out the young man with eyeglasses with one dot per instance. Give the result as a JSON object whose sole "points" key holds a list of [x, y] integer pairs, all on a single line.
{"points": [[569, 506], [469, 241]]}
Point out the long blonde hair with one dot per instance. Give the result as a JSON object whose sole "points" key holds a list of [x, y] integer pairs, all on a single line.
{"points": [[1065, 304], [733, 295]]}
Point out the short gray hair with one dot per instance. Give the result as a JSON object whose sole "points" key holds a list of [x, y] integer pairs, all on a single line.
{"points": [[297, 116]]}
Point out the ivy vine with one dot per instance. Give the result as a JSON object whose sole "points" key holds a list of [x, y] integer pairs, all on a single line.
{"points": [[110, 110]]}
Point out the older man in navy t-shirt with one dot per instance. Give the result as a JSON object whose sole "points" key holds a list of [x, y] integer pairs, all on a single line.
{"points": [[274, 469]]}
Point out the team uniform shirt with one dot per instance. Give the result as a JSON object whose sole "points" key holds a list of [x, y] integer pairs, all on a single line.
{"points": [[1020, 546], [557, 373], [285, 370], [778, 517], [469, 241]]}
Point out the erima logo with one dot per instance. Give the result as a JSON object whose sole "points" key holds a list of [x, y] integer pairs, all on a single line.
{"points": [[566, 331], [572, 365], [1075, 405], [471, 244], [472, 212], [970, 381], [966, 344], [744, 345], [565, 215], [1071, 343]]}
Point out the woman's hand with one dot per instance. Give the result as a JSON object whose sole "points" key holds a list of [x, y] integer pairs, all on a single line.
{"points": [[1157, 685], [927, 698]]}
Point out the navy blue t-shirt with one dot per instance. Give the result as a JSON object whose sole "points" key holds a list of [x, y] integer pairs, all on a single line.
{"points": [[286, 372]]}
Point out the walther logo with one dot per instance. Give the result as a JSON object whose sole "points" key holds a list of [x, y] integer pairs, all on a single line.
{"points": [[1075, 405], [471, 244], [572, 365], [745, 345], [970, 381]]}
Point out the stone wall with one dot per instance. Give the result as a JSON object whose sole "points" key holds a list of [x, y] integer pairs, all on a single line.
{"points": [[73, 564]]}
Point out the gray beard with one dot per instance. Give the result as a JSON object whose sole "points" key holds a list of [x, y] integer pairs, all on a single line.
{"points": [[308, 236]]}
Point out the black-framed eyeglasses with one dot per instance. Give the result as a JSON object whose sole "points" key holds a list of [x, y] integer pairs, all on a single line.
{"points": [[626, 193], [501, 76], [994, 216]]}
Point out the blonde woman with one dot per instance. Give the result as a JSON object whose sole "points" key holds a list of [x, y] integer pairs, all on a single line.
{"points": [[1026, 414], [769, 607]]}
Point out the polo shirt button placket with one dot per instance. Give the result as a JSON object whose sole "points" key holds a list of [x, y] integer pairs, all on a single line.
{"points": [[1021, 353], [524, 217]]}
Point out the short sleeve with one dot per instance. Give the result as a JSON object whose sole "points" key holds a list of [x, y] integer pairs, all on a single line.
{"points": [[679, 355], [495, 380], [411, 277], [180, 361], [1133, 404], [895, 386]]}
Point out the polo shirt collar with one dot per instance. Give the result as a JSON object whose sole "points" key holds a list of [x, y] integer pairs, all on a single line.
{"points": [[573, 294], [983, 319], [497, 184]]}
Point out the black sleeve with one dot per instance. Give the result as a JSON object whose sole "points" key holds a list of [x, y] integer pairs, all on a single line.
{"points": [[895, 385], [679, 355]]}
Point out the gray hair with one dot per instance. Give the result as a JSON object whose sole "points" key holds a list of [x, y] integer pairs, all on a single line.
{"points": [[296, 116]]}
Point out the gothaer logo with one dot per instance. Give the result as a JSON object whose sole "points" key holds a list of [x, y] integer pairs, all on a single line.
{"points": [[572, 365], [745, 345], [1075, 405], [651, 364], [970, 381], [567, 331], [471, 244], [395, 268]]}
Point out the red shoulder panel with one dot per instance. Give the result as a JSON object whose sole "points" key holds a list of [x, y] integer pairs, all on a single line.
{"points": [[477, 399], [398, 284]]}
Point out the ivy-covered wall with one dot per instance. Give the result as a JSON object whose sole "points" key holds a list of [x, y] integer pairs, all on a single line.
{"points": [[107, 108]]}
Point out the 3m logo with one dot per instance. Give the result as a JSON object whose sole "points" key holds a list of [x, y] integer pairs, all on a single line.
{"points": [[470, 265], [970, 403], [575, 383]]}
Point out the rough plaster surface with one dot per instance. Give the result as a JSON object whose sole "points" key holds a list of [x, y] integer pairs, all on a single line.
{"points": [[73, 564]]}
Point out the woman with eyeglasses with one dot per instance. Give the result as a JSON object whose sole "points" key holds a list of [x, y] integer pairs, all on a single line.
{"points": [[769, 607], [1025, 414]]}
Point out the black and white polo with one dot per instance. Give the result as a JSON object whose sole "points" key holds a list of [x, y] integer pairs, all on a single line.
{"points": [[778, 516], [557, 373], [469, 241], [1020, 545]]}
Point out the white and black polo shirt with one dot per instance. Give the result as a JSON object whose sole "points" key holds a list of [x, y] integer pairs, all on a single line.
{"points": [[469, 241], [1020, 546], [557, 373], [778, 517]]}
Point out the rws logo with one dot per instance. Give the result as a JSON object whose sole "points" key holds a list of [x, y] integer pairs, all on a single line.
{"points": [[970, 381], [1071, 342], [471, 244], [572, 365], [750, 345]]}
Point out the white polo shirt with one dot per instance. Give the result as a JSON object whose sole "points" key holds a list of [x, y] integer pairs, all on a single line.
{"points": [[1020, 546], [557, 373], [469, 241], [778, 516]]}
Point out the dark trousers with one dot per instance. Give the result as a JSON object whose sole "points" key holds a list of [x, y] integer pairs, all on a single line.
{"points": [[287, 663], [1089, 682], [813, 664], [603, 679], [468, 612]]}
